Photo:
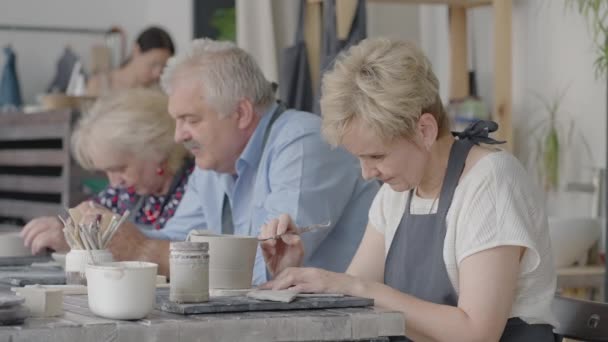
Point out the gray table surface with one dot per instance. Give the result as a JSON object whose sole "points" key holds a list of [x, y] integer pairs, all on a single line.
{"points": [[78, 324]]}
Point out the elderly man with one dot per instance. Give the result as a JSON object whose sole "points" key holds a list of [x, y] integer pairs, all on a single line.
{"points": [[255, 160]]}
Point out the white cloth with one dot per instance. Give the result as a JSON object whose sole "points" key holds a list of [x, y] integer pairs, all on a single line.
{"points": [[263, 28], [494, 204]]}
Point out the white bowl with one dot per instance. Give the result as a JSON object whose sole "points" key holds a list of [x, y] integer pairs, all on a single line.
{"points": [[122, 290], [571, 238], [11, 245], [59, 258], [231, 259]]}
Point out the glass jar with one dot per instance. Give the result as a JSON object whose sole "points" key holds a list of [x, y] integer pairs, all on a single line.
{"points": [[77, 260], [189, 272]]}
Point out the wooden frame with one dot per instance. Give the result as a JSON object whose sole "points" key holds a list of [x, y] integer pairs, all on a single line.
{"points": [[459, 84]]}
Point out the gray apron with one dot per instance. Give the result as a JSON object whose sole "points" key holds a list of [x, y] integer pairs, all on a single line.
{"points": [[295, 84], [415, 265]]}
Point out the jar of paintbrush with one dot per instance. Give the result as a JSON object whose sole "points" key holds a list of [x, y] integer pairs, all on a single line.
{"points": [[88, 238]]}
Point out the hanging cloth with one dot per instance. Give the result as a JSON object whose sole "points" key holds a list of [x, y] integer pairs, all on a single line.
{"points": [[332, 45], [295, 84], [63, 71], [10, 92]]}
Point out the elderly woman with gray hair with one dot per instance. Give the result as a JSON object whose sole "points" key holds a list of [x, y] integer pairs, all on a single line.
{"points": [[129, 136], [457, 237]]}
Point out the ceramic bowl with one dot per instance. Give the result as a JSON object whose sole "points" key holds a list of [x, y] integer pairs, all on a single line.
{"points": [[571, 238], [11, 245], [59, 258], [122, 290], [231, 259]]}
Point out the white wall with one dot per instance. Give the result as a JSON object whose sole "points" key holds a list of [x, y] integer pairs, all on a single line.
{"points": [[552, 51], [37, 52]]}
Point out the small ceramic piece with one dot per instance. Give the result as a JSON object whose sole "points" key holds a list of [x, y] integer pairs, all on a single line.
{"points": [[11, 245], [231, 259], [283, 296], [59, 258], [122, 290], [66, 289], [41, 301]]}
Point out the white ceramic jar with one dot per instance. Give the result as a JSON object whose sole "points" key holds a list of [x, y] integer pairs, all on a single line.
{"points": [[189, 272], [122, 290], [77, 260]]}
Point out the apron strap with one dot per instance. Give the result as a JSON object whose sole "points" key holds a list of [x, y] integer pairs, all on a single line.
{"points": [[476, 133], [458, 157]]}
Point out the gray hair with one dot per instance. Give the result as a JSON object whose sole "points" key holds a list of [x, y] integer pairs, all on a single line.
{"points": [[226, 72]]}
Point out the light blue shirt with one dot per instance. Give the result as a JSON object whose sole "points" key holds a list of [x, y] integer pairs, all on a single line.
{"points": [[297, 173]]}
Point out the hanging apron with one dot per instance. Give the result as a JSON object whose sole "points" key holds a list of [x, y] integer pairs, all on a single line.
{"points": [[295, 84], [10, 90], [332, 45], [415, 265]]}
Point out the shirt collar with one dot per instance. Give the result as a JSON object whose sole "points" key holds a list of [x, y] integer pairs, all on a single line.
{"points": [[253, 150]]}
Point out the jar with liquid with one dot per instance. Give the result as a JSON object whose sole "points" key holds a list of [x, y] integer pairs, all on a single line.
{"points": [[189, 272]]}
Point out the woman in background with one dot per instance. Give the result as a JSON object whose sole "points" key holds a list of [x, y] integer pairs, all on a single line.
{"points": [[151, 51], [129, 136]]}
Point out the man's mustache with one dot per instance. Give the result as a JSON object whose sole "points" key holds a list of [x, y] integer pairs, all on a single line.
{"points": [[192, 144]]}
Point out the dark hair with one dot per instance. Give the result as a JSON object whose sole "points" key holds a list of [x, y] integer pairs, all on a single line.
{"points": [[155, 38]]}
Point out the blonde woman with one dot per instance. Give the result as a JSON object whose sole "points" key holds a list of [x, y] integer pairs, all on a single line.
{"points": [[457, 237], [129, 136]]}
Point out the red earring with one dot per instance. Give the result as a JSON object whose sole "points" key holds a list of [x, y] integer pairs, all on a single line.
{"points": [[160, 171]]}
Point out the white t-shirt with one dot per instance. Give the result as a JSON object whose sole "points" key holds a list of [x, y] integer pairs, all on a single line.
{"points": [[494, 204]]}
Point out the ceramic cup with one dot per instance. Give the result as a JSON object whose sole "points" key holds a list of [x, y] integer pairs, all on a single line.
{"points": [[231, 259], [122, 290], [77, 260]]}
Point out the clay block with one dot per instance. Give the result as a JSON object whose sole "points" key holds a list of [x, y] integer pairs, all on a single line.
{"points": [[283, 296], [42, 302], [229, 292], [319, 295], [66, 289]]}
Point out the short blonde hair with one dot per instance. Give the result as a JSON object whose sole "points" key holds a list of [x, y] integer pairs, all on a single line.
{"points": [[226, 72], [386, 85], [135, 122]]}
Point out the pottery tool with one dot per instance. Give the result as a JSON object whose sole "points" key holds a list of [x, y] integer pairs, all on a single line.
{"points": [[93, 235], [301, 230]]}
